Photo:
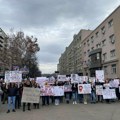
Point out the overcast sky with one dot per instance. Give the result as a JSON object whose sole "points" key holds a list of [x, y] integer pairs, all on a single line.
{"points": [[53, 22]]}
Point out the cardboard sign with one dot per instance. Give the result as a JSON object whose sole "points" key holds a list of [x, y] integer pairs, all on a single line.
{"points": [[31, 95], [99, 90], [84, 88]]}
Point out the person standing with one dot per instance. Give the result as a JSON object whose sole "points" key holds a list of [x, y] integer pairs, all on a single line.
{"points": [[75, 92], [27, 84], [93, 95], [36, 105], [12, 91]]}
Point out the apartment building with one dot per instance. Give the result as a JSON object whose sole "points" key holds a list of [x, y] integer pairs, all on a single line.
{"points": [[71, 61], [2, 50], [100, 49]]}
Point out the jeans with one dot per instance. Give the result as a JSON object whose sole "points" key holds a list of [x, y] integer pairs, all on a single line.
{"points": [[93, 97], [99, 98], [80, 97], [28, 104], [74, 94], [85, 96], [67, 96], [11, 100], [45, 99]]}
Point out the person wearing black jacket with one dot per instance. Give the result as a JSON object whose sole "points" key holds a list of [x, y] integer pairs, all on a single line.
{"points": [[75, 92], [12, 91]]}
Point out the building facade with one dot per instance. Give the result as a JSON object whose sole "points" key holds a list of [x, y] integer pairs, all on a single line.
{"points": [[95, 50], [100, 50], [3, 42], [71, 61]]}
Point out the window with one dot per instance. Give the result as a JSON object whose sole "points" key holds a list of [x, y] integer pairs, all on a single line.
{"points": [[113, 69], [85, 53], [97, 33], [88, 42], [112, 39], [112, 53], [98, 45], [84, 44], [105, 70], [80, 37], [110, 23], [104, 56], [103, 42], [88, 52], [92, 39], [1, 41], [103, 30], [98, 56], [92, 48]]}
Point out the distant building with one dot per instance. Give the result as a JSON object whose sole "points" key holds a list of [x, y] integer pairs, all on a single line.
{"points": [[70, 60]]}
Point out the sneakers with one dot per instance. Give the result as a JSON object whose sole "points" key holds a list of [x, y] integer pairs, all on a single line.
{"points": [[75, 102], [8, 111], [85, 103]]}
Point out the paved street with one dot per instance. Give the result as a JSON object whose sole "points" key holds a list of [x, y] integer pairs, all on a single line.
{"points": [[100, 111]]}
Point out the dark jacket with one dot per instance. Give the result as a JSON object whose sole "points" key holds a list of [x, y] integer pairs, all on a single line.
{"points": [[12, 91], [74, 87]]}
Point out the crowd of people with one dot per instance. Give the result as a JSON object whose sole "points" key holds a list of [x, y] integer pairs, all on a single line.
{"points": [[11, 94]]}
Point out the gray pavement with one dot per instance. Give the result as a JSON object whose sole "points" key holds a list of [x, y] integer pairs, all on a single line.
{"points": [[99, 111]]}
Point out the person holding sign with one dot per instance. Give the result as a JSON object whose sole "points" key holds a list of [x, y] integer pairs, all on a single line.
{"points": [[107, 87], [27, 84], [12, 91], [36, 105], [68, 90], [74, 92], [92, 95]]}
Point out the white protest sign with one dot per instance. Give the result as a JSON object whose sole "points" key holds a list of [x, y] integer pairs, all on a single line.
{"points": [[99, 75], [61, 78], [84, 88], [109, 94], [67, 88], [58, 90], [41, 80], [7, 76], [80, 79], [99, 90], [116, 83], [74, 78], [31, 95], [13, 76]]}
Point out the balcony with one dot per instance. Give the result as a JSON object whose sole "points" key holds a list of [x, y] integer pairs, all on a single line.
{"points": [[95, 64]]}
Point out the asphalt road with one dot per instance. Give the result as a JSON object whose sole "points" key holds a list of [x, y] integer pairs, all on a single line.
{"points": [[99, 111]]}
